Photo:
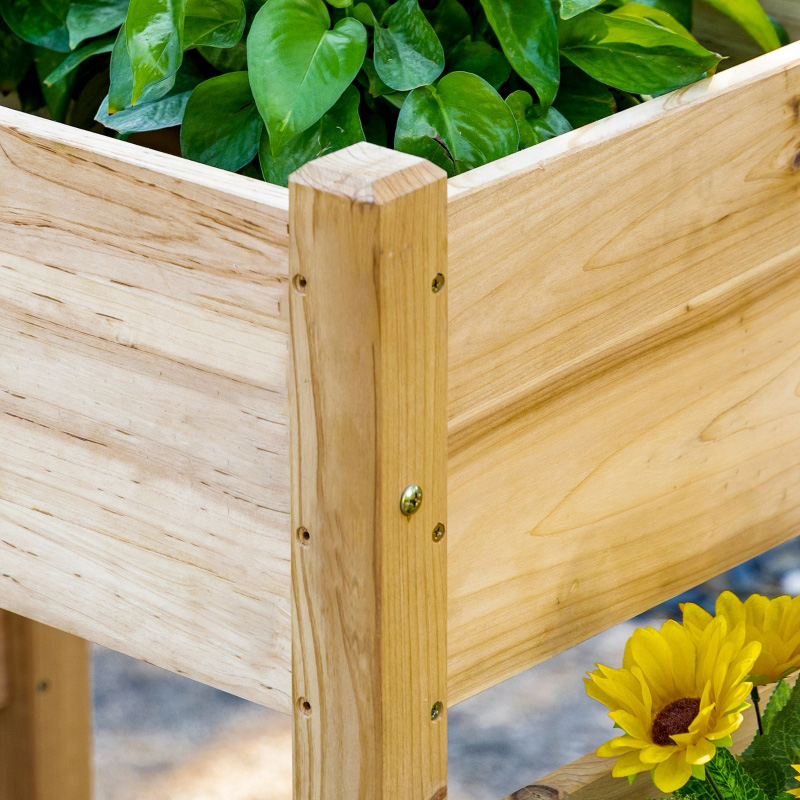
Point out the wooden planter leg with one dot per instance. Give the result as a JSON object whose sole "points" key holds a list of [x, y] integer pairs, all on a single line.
{"points": [[369, 335], [45, 721]]}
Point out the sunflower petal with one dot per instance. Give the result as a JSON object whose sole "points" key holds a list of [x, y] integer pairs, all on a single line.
{"points": [[670, 775]]}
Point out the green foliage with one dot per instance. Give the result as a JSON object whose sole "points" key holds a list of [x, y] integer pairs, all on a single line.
{"points": [[729, 776], [461, 82], [780, 744], [778, 700], [766, 773]]}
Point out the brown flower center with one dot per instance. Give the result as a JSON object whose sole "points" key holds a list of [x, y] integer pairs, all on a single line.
{"points": [[674, 719]]}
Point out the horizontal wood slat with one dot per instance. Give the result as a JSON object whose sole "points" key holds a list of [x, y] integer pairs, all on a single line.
{"points": [[624, 366], [589, 778], [144, 473]]}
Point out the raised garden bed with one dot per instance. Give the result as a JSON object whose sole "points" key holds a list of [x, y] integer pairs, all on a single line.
{"points": [[600, 405]]}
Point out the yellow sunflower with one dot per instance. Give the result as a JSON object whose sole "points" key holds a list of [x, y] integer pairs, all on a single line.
{"points": [[795, 792], [676, 699], [775, 624]]}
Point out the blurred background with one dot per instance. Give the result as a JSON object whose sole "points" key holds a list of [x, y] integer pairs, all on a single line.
{"points": [[162, 737]]}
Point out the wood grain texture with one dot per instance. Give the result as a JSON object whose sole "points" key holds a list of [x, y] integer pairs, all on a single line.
{"points": [[45, 729], [624, 374], [369, 235], [589, 778], [144, 474]]}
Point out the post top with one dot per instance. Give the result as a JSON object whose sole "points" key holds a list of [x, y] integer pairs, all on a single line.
{"points": [[367, 173]]}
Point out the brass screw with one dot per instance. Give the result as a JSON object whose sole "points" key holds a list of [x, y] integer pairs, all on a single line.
{"points": [[438, 283], [411, 500], [438, 532], [437, 711]]}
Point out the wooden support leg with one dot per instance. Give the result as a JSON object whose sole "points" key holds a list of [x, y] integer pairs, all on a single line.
{"points": [[45, 723], [369, 335]]}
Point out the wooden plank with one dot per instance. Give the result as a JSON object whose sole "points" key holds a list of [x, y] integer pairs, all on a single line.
{"points": [[589, 778], [4, 656], [144, 474], [624, 343], [369, 237], [45, 730], [721, 34]]}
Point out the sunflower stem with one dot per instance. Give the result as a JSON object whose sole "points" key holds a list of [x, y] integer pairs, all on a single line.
{"points": [[713, 784], [756, 698]]}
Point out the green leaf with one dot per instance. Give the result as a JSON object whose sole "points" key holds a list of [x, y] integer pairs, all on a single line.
{"points": [[681, 10], [299, 67], [450, 22], [480, 58], [162, 111], [533, 126], [766, 773], [337, 128], [777, 701], [230, 59], [16, 57], [77, 57], [637, 56], [154, 36], [39, 22], [782, 742], [571, 8], [749, 15], [582, 99], [89, 18], [408, 53], [371, 80], [730, 778], [458, 124], [216, 24], [58, 94], [222, 126], [121, 74], [781, 32], [528, 34]]}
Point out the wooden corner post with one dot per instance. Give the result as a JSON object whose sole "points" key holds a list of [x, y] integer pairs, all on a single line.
{"points": [[368, 252], [45, 719]]}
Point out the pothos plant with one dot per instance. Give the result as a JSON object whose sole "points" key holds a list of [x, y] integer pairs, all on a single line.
{"points": [[681, 691], [276, 83]]}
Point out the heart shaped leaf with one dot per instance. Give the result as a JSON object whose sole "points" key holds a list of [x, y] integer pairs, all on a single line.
{"points": [[528, 34], [222, 126], [340, 127], [299, 67], [408, 53], [460, 123], [635, 55]]}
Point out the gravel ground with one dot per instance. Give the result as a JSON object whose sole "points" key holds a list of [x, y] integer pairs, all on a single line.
{"points": [[163, 737]]}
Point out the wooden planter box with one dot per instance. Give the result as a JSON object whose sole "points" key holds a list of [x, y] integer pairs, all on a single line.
{"points": [[213, 393]]}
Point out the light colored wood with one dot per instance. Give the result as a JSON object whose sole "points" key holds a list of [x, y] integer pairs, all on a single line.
{"points": [[589, 778], [45, 730], [369, 335], [722, 35], [144, 473], [624, 364]]}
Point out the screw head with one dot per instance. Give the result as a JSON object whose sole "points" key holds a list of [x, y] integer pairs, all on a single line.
{"points": [[411, 500], [438, 283], [438, 532], [436, 711]]}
